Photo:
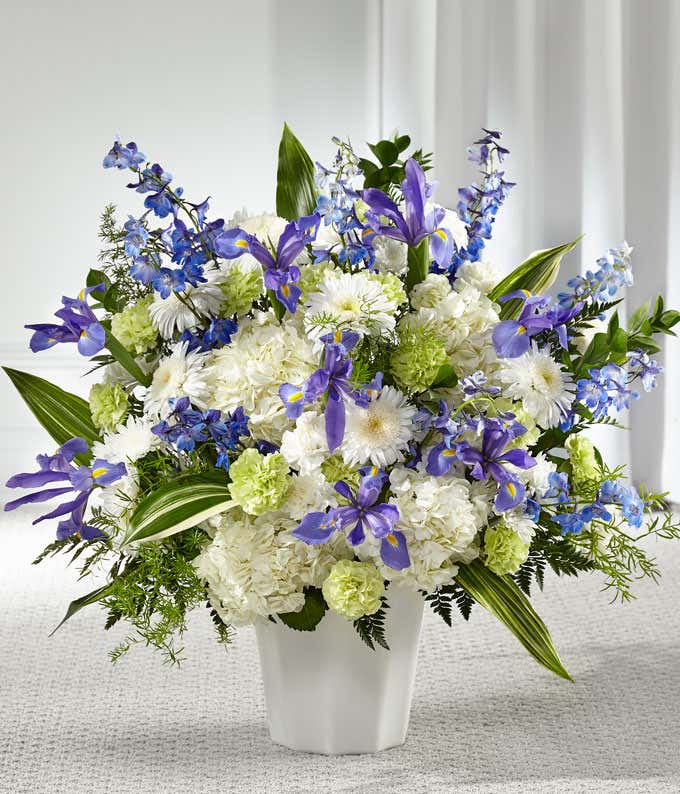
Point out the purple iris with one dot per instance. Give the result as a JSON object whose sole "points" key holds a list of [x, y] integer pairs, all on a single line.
{"points": [[332, 379], [415, 225], [364, 513], [80, 325], [59, 468], [488, 462], [280, 274]]}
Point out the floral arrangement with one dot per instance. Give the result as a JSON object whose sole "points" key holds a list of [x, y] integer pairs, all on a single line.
{"points": [[298, 412]]}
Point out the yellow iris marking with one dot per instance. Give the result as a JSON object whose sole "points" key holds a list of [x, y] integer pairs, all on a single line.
{"points": [[98, 473], [81, 295], [82, 334], [337, 336], [51, 340], [368, 230], [511, 489], [441, 233], [391, 539], [285, 289], [521, 330], [526, 292], [295, 397], [374, 470], [242, 243], [447, 453]]}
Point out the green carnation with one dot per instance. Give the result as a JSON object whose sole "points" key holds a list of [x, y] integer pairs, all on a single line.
{"points": [[505, 551], [259, 483], [392, 287], [334, 469], [353, 589], [584, 466], [133, 327], [311, 277], [109, 405], [417, 359], [242, 287]]}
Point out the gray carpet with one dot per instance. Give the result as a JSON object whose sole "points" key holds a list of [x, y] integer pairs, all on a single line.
{"points": [[485, 717]]}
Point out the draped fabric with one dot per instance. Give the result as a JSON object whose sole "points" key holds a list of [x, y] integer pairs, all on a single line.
{"points": [[585, 93]]}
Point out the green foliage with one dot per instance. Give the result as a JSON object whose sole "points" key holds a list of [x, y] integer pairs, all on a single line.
{"points": [[371, 628], [505, 601], [387, 173], [62, 414], [295, 188], [308, 618], [441, 601], [536, 274], [122, 289], [154, 591]]}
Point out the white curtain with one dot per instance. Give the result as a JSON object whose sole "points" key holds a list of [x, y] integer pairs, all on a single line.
{"points": [[585, 92]]}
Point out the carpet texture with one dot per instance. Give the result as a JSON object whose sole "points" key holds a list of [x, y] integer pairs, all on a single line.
{"points": [[485, 717]]}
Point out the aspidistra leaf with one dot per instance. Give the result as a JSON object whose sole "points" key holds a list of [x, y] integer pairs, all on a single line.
{"points": [[295, 188], [83, 601], [178, 505], [62, 414], [505, 601], [536, 274]]}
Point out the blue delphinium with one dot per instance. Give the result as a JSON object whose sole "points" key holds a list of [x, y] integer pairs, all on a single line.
{"points": [[613, 272], [605, 391], [217, 334]]}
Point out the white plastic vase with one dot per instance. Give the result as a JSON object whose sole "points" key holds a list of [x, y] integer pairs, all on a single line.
{"points": [[327, 692]]}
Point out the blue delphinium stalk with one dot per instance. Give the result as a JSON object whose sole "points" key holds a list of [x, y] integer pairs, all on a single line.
{"points": [[641, 365], [364, 513], [81, 480], [605, 391], [479, 203], [80, 325], [613, 272], [217, 334], [186, 427]]}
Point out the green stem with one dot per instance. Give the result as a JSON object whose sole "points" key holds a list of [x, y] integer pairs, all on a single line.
{"points": [[126, 360], [418, 264]]}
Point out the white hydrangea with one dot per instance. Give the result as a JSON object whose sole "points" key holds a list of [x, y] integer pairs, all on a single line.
{"points": [[440, 523], [254, 567], [262, 355], [483, 276], [172, 314], [181, 374], [305, 446], [352, 301]]}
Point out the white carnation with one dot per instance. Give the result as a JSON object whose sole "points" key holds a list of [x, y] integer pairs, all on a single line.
{"points": [[390, 255], [305, 446], [248, 373], [483, 276], [430, 292]]}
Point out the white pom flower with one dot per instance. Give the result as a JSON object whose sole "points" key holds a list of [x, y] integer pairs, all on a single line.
{"points": [[128, 442], [483, 276], [390, 255], [305, 447], [430, 292], [350, 301], [537, 380], [248, 372], [181, 374], [170, 315], [380, 433]]}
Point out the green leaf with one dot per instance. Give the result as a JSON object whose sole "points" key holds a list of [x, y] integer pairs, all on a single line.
{"points": [[505, 601], [445, 378], [295, 189], [62, 414], [309, 617], [126, 360], [402, 142], [94, 278], [178, 505], [83, 601], [536, 274], [386, 151]]}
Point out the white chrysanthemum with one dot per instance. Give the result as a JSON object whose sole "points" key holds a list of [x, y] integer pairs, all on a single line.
{"points": [[352, 301], [170, 314], [538, 381], [440, 524], [305, 447], [254, 567], [483, 276], [380, 432], [128, 442], [180, 374], [390, 255], [248, 373], [430, 292]]}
